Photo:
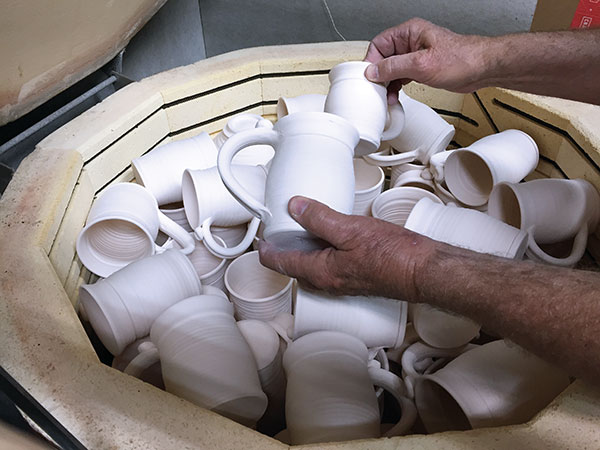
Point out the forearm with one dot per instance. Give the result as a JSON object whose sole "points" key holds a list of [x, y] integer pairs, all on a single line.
{"points": [[553, 312], [559, 64]]}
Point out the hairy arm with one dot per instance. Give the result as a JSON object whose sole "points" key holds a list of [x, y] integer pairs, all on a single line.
{"points": [[561, 64], [553, 312]]}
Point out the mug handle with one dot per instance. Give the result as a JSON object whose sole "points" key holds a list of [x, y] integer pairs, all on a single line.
{"points": [[203, 233], [236, 143], [579, 245], [383, 160], [394, 385], [146, 358], [177, 232], [395, 124]]}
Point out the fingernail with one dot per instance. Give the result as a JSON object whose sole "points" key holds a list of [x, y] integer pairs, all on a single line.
{"points": [[297, 206], [372, 72]]}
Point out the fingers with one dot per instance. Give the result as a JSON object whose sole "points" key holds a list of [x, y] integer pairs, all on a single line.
{"points": [[319, 219], [410, 66]]}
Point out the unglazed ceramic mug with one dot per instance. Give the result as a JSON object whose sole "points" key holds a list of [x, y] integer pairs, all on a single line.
{"points": [[122, 226], [148, 372], [442, 329], [176, 212], [309, 148], [415, 178], [254, 155], [207, 201], [398, 170], [364, 104], [368, 184], [123, 306], [206, 360], [301, 103], [550, 210], [257, 291], [425, 133], [377, 321], [396, 204], [467, 228], [492, 385], [472, 172], [160, 170], [330, 395]]}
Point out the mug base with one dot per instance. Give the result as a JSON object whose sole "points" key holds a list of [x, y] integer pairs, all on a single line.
{"points": [[296, 240]]}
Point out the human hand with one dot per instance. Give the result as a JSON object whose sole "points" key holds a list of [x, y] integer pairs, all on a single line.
{"points": [[366, 256], [420, 51]]}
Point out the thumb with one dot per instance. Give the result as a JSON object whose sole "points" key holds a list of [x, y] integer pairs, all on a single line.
{"points": [[317, 218], [407, 66]]}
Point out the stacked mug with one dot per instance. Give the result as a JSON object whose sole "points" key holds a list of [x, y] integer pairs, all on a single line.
{"points": [[199, 316]]}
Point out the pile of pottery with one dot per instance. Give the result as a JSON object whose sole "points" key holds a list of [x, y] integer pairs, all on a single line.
{"points": [[183, 303]]}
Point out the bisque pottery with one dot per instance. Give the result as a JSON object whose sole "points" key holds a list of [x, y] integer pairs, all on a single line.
{"points": [[467, 228], [309, 148], [161, 169], [254, 155], [364, 104], [377, 321], [425, 133], [176, 212], [415, 178], [492, 385], [231, 235], [257, 291], [471, 173], [396, 204], [301, 103], [123, 306], [442, 329], [206, 360], [122, 226], [150, 373], [396, 171], [550, 210], [264, 342], [368, 184], [207, 201], [330, 395]]}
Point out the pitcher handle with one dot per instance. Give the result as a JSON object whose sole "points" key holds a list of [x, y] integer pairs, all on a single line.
{"points": [[236, 143], [395, 124], [579, 245]]}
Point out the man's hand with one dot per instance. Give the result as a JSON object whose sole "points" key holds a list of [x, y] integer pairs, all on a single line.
{"points": [[420, 51], [367, 256]]}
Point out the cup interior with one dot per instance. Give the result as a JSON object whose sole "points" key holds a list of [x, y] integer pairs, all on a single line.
{"points": [[468, 177], [504, 205], [366, 176], [438, 409]]}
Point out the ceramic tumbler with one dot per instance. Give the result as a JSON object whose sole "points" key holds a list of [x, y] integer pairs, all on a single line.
{"points": [[123, 306], [471, 173], [309, 147], [160, 170], [364, 104], [368, 184], [550, 210], [256, 291], [467, 228], [122, 226], [396, 204], [301, 103], [493, 385], [330, 395], [207, 201], [377, 321]]}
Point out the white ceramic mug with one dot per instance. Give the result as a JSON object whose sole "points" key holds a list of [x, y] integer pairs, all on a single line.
{"points": [[425, 133], [396, 171], [368, 184], [207, 201], [550, 210], [150, 372], [254, 155], [122, 226], [472, 172], [309, 148], [160, 170], [330, 395], [301, 103], [415, 178], [442, 329], [364, 104], [257, 291], [396, 204], [492, 385], [176, 212], [377, 321], [123, 306], [467, 228], [206, 360]]}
